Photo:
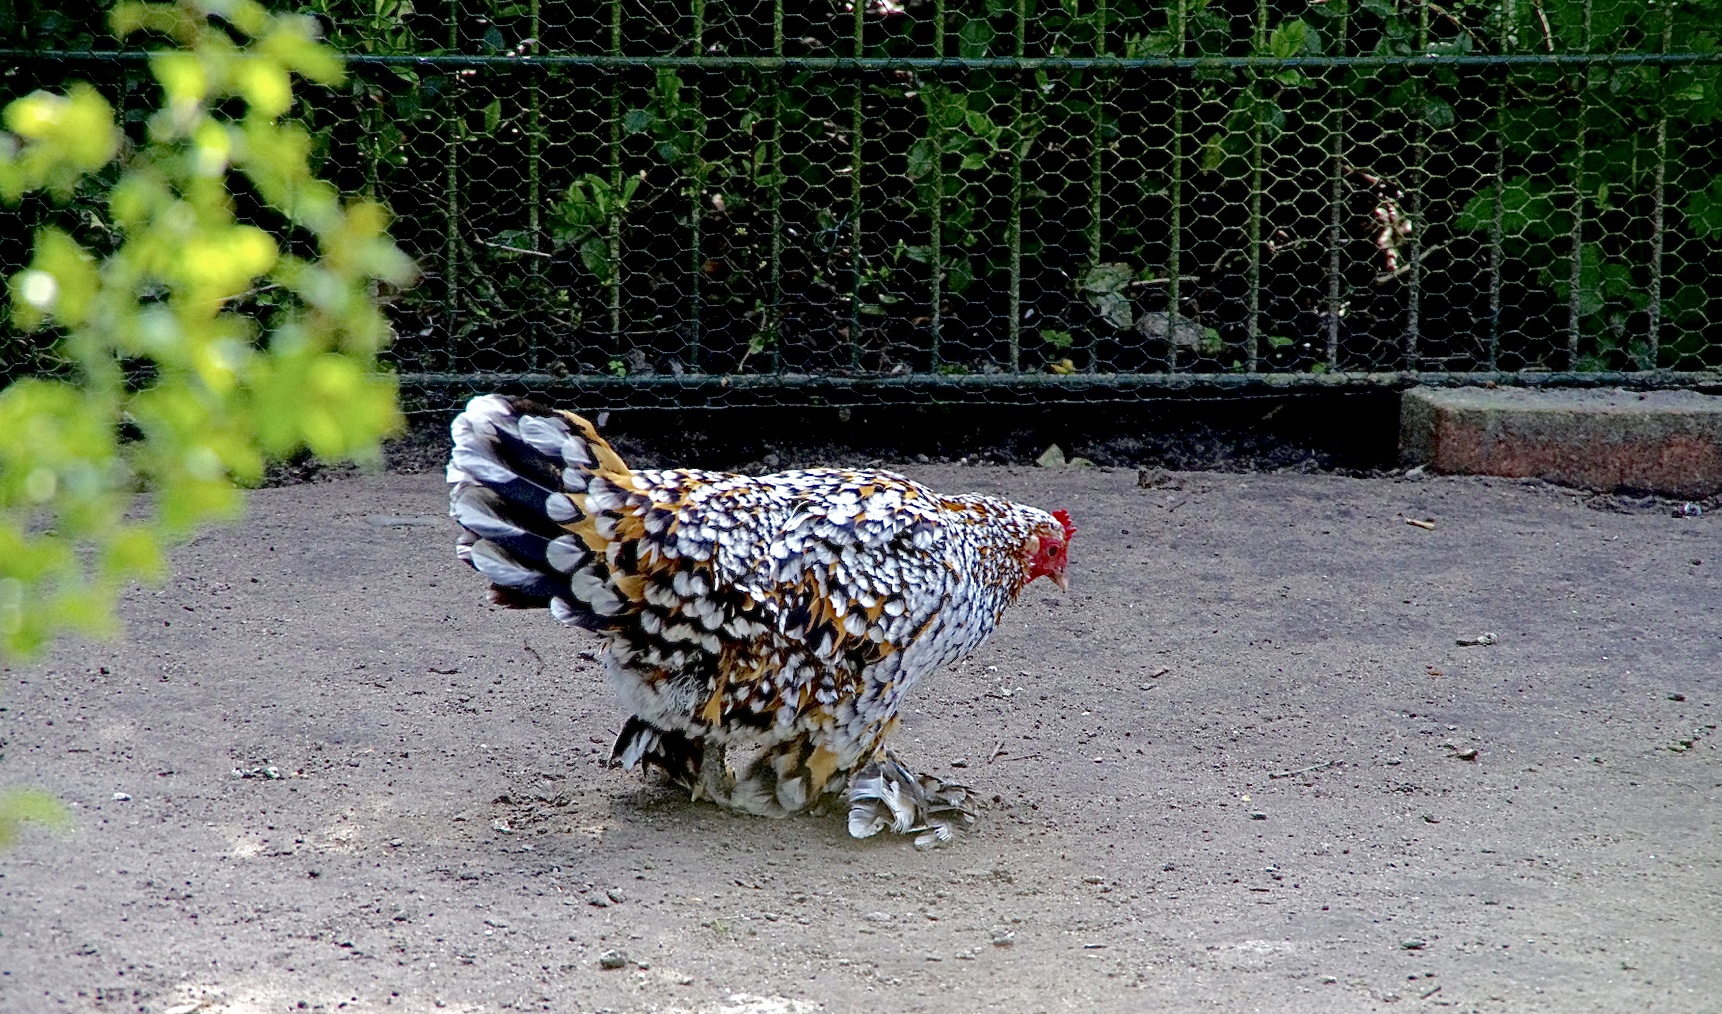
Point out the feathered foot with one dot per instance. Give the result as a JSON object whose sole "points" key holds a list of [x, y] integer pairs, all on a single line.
{"points": [[885, 794], [672, 756]]}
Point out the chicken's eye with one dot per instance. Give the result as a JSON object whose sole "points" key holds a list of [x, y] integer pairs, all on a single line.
{"points": [[1051, 551]]}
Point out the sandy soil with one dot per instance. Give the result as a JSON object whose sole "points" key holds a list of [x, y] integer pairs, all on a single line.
{"points": [[1227, 772]]}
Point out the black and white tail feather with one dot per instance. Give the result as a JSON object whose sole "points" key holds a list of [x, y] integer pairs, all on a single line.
{"points": [[510, 475], [513, 467]]}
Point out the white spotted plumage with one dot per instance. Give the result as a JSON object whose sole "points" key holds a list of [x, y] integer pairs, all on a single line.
{"points": [[762, 630]]}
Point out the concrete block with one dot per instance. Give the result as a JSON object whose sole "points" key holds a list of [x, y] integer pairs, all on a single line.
{"points": [[1666, 442]]}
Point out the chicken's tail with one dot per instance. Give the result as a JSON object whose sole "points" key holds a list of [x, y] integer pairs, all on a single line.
{"points": [[519, 480]]}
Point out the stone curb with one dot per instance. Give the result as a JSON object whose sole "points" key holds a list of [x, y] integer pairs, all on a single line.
{"points": [[1664, 442]]}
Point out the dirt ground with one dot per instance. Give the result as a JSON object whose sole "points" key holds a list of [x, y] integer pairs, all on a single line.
{"points": [[1233, 770]]}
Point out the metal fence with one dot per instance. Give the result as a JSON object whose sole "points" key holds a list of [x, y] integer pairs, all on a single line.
{"points": [[655, 202]]}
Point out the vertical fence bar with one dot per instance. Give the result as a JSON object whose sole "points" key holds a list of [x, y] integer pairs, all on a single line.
{"points": [[1096, 179], [856, 123], [1174, 258], [1016, 193], [774, 327], [936, 213], [534, 197], [451, 191], [1336, 201], [1575, 271], [696, 195], [1653, 349], [1497, 222], [615, 223], [1414, 212], [1253, 323]]}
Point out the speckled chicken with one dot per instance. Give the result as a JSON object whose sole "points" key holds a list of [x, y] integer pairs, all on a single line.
{"points": [[761, 630]]}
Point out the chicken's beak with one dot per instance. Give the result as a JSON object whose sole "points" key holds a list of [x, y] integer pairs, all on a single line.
{"points": [[1062, 582]]}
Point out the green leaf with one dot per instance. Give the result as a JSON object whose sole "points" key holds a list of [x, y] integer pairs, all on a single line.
{"points": [[1704, 210], [1114, 308], [1527, 211], [1163, 43], [1060, 340], [1213, 153], [981, 125], [493, 115], [636, 121], [1289, 39], [1108, 278], [595, 254], [921, 159], [1438, 114], [974, 38]]}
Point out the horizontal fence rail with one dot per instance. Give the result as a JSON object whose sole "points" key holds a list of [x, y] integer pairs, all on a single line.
{"points": [[649, 203]]}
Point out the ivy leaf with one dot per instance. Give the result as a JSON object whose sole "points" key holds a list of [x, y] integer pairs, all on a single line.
{"points": [[1704, 210], [921, 158], [1527, 211], [1288, 40], [1438, 114], [982, 126], [1114, 308], [595, 254], [1108, 278], [975, 38]]}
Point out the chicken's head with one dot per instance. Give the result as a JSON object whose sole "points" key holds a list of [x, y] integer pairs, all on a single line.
{"points": [[1047, 549]]}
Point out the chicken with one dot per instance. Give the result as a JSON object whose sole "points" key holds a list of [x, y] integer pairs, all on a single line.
{"points": [[762, 631]]}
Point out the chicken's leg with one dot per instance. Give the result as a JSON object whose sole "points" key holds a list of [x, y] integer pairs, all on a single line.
{"points": [[885, 793]]}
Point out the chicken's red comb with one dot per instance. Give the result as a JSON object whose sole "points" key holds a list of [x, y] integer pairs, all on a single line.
{"points": [[1064, 519]]}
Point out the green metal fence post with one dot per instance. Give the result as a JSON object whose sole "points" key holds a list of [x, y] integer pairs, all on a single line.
{"points": [[615, 224], [856, 124], [1575, 272], [1336, 203], [936, 212], [534, 198], [696, 196], [1414, 212], [1175, 242], [1096, 185], [1015, 227], [1253, 324], [451, 190], [1653, 350], [774, 326]]}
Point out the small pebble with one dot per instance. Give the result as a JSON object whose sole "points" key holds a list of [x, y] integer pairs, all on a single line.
{"points": [[612, 960], [1258, 815], [1413, 944], [615, 895], [122, 797]]}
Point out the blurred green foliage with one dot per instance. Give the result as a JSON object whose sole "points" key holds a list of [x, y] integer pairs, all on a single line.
{"points": [[230, 318], [212, 207], [29, 806]]}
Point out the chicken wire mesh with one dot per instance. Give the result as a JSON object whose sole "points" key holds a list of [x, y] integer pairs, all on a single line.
{"points": [[636, 202]]}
